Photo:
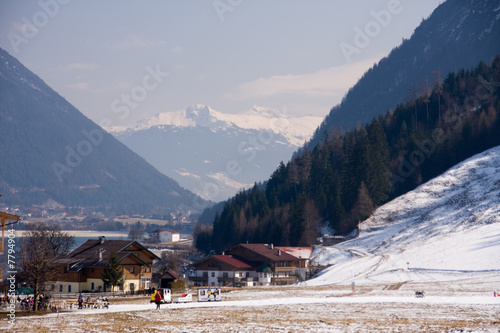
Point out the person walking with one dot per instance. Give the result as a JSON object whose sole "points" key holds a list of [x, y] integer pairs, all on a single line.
{"points": [[157, 297], [80, 301], [153, 294]]}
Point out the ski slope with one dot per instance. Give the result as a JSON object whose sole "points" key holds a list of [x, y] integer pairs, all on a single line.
{"points": [[446, 229]]}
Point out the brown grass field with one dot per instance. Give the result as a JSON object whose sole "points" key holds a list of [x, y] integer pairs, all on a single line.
{"points": [[249, 310]]}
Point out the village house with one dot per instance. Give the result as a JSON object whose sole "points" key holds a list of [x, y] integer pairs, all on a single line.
{"points": [[168, 236], [165, 280], [253, 265], [82, 269], [304, 254]]}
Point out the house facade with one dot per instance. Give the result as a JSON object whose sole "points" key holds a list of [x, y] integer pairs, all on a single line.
{"points": [[227, 270], [303, 254], [169, 236], [252, 265], [164, 280], [82, 269]]}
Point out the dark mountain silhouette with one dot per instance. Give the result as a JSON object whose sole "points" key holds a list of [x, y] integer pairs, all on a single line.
{"points": [[51, 151], [458, 34]]}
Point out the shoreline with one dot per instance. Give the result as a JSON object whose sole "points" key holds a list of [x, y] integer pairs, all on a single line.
{"points": [[84, 233]]}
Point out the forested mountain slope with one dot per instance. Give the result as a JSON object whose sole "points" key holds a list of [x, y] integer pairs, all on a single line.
{"points": [[458, 34], [339, 183]]}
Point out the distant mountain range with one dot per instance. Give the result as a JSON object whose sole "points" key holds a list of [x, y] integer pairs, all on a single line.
{"points": [[51, 151], [215, 154], [458, 34]]}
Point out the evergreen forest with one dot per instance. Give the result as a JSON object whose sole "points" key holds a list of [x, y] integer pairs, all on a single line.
{"points": [[348, 174]]}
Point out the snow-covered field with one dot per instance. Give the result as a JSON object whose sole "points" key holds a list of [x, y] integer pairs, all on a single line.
{"points": [[443, 238], [293, 309]]}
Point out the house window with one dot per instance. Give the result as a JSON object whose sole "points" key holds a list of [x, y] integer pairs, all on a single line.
{"points": [[60, 288], [213, 274], [224, 275], [69, 288], [247, 274], [205, 274], [132, 269], [92, 286], [241, 274]]}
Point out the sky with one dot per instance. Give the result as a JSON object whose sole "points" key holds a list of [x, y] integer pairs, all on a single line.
{"points": [[121, 61]]}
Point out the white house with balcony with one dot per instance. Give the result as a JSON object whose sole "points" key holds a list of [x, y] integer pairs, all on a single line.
{"points": [[253, 265], [227, 270]]}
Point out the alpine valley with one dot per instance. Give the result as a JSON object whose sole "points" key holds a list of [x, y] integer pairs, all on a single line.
{"points": [[216, 154], [54, 154]]}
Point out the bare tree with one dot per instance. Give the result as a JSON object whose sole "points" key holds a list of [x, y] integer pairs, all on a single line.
{"points": [[41, 244], [169, 261], [136, 233]]}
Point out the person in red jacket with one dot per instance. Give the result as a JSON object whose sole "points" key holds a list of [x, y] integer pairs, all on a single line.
{"points": [[157, 299]]}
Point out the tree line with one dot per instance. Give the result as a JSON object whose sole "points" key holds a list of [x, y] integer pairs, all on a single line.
{"points": [[347, 175]]}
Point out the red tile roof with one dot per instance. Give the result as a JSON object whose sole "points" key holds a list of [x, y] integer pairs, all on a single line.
{"points": [[170, 230], [269, 252], [230, 260]]}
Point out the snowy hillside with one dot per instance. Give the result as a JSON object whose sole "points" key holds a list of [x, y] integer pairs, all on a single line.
{"points": [[215, 154], [446, 229]]}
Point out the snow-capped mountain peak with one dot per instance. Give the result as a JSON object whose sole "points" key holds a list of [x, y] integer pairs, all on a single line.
{"points": [[295, 129], [197, 146], [202, 115]]}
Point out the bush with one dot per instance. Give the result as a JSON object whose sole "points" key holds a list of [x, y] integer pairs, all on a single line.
{"points": [[178, 286]]}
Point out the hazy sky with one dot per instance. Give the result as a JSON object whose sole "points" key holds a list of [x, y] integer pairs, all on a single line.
{"points": [[128, 60]]}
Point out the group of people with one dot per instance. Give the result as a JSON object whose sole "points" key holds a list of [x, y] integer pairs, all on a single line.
{"points": [[88, 301], [156, 298], [28, 302]]}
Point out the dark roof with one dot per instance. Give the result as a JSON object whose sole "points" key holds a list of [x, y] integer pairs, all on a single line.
{"points": [[87, 254], [169, 274], [230, 260], [233, 261], [269, 252], [169, 230]]}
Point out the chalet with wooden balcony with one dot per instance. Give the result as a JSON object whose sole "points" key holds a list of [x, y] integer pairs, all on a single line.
{"points": [[82, 269], [253, 265]]}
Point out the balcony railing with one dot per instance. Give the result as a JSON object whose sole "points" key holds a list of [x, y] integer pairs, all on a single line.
{"points": [[199, 278], [285, 269]]}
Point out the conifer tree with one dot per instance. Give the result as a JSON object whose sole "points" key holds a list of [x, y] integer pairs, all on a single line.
{"points": [[113, 274], [377, 182]]}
